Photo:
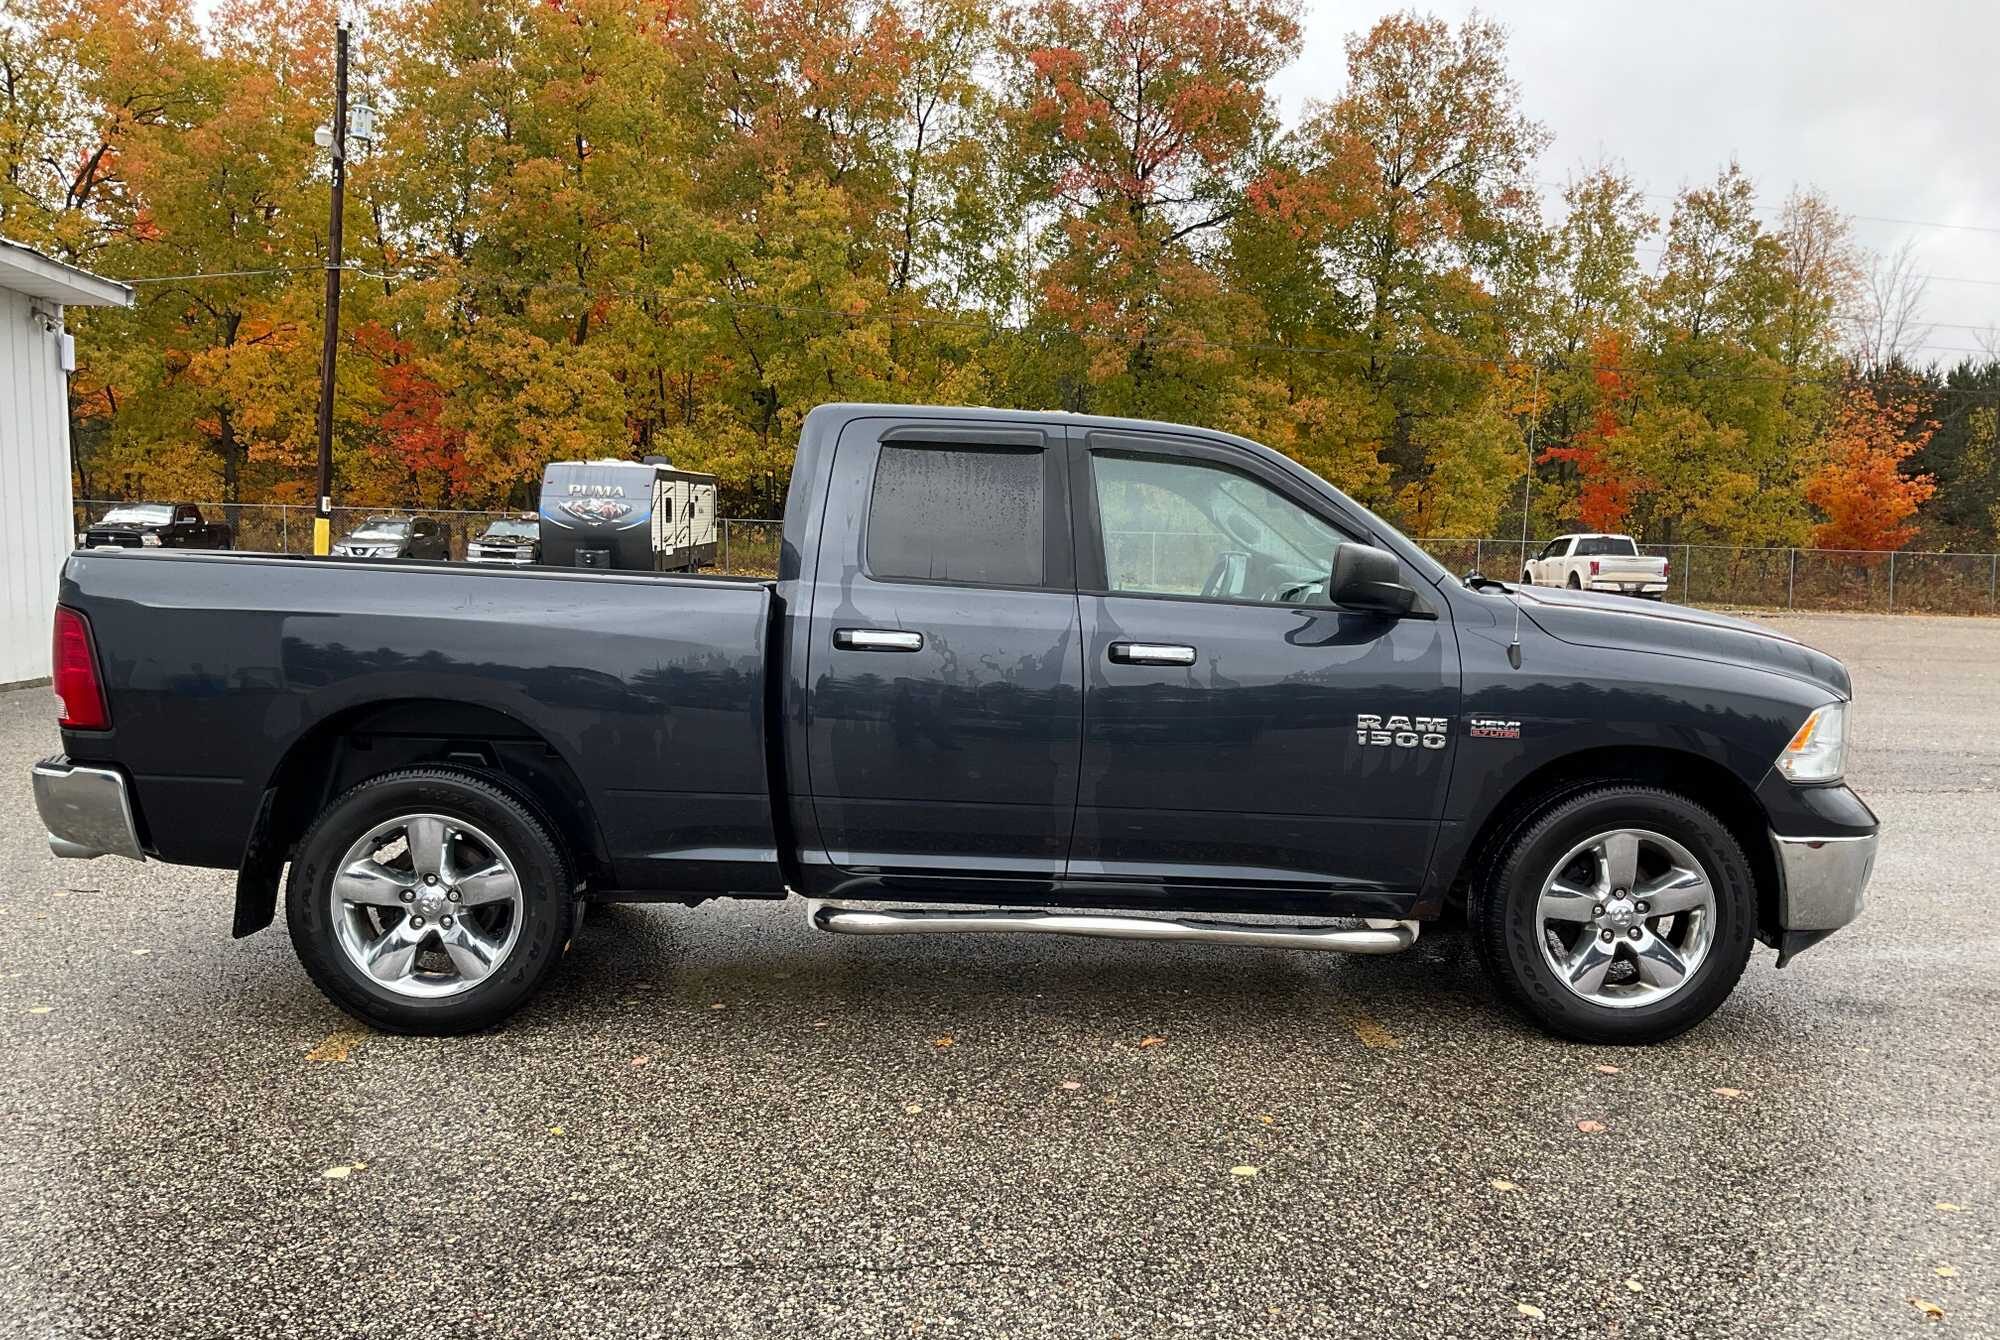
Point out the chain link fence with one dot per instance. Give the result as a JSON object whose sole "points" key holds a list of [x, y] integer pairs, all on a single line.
{"points": [[1758, 577], [1747, 576]]}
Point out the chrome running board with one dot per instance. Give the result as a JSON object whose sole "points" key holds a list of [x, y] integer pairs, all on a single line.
{"points": [[1378, 937]]}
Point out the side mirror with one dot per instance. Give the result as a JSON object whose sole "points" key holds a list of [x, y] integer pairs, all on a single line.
{"points": [[1367, 578]]}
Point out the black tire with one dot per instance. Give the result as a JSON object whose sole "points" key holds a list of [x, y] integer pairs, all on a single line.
{"points": [[1527, 578], [1507, 928], [1574, 583], [547, 914]]}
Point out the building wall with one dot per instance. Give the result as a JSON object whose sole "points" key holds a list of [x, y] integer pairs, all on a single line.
{"points": [[36, 526]]}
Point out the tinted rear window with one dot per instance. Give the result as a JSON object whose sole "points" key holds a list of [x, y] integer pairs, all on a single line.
{"points": [[1603, 546], [958, 514]]}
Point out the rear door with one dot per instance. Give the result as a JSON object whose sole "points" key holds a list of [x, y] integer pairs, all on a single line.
{"points": [[944, 700], [1238, 731]]}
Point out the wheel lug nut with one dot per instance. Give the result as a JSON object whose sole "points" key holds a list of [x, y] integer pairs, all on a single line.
{"points": [[1597, 911], [1642, 907], [452, 894], [416, 921], [1634, 932], [430, 879], [407, 895], [1607, 935], [446, 923]]}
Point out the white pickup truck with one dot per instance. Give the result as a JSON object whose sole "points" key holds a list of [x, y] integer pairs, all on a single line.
{"points": [[1598, 563]]}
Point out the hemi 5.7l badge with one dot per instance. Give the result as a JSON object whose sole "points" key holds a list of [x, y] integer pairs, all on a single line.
{"points": [[1401, 732], [1492, 728]]}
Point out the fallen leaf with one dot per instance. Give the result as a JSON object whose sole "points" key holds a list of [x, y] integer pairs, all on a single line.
{"points": [[555, 1130], [339, 1172], [638, 1061], [1527, 1309], [1931, 1311], [1607, 1070], [913, 1108], [1947, 1207], [1372, 1034], [1071, 1085], [1267, 1119], [1243, 1170], [1151, 1042], [718, 1006], [141, 953], [942, 1042], [1635, 1286], [1592, 1127], [1502, 1184], [40, 1009], [819, 1023], [338, 1045], [1945, 1272], [1727, 1093]]}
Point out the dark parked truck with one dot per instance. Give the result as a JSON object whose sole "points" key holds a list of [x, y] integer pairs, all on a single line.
{"points": [[156, 526], [1018, 672]]}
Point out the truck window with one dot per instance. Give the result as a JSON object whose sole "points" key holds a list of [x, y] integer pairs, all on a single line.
{"points": [[957, 514], [1605, 546], [1554, 548], [1188, 528]]}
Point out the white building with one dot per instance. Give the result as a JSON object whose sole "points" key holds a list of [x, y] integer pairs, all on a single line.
{"points": [[37, 521]]}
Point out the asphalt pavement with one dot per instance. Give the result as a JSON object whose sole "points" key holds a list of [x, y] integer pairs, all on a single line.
{"points": [[720, 1123]]}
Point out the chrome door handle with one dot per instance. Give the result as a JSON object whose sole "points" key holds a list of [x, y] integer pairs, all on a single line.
{"points": [[1151, 653], [877, 639]]}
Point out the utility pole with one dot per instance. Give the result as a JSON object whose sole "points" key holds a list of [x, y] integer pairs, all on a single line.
{"points": [[330, 345]]}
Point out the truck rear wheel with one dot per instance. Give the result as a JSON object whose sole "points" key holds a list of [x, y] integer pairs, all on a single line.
{"points": [[1621, 913], [429, 901]]}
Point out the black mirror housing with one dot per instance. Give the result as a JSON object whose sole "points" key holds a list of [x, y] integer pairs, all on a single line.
{"points": [[1367, 578]]}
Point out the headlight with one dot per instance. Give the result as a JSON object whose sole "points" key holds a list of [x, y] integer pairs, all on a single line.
{"points": [[1818, 753], [150, 541]]}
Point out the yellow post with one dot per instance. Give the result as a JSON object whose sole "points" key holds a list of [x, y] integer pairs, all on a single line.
{"points": [[322, 536]]}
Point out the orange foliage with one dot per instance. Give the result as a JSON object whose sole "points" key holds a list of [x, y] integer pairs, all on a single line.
{"points": [[1860, 485], [1604, 497]]}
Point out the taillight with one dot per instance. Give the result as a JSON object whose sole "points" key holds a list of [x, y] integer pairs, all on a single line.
{"points": [[1593, 567], [1666, 566], [79, 692]]}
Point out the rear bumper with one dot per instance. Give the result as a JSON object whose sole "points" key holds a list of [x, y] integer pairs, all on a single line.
{"points": [[1656, 586], [87, 811], [1822, 885]]}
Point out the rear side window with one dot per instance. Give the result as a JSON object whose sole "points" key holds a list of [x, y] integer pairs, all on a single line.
{"points": [[1604, 546], [957, 514]]}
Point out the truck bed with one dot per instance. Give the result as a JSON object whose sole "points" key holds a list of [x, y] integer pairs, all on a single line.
{"points": [[647, 689]]}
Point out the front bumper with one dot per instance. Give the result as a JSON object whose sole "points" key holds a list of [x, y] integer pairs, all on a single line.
{"points": [[1822, 885], [87, 811], [507, 558]]}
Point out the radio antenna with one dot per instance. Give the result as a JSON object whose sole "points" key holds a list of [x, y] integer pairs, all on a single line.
{"points": [[1527, 483]]}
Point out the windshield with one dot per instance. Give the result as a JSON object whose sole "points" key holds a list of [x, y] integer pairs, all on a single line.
{"points": [[524, 530], [381, 528], [140, 513], [1605, 546]]}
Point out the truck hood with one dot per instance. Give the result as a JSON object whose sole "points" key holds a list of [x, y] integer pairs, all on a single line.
{"points": [[1623, 624]]}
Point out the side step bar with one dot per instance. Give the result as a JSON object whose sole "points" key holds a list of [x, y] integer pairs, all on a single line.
{"points": [[1378, 937]]}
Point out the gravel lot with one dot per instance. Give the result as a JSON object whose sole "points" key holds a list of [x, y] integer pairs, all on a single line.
{"points": [[721, 1123]]}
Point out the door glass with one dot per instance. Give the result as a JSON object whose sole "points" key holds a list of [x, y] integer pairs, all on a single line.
{"points": [[958, 514], [1188, 528]]}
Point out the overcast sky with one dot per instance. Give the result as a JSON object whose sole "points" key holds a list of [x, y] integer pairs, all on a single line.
{"points": [[1892, 109]]}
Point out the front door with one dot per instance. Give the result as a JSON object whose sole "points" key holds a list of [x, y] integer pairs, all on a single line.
{"points": [[944, 670], [1239, 732]]}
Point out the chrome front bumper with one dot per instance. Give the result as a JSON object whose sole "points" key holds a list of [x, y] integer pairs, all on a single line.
{"points": [[87, 811], [1822, 885]]}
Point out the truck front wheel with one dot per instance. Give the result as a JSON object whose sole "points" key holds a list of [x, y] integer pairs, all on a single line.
{"points": [[1621, 913], [429, 901]]}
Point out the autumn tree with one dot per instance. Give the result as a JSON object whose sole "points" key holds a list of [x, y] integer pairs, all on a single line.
{"points": [[1860, 486]]}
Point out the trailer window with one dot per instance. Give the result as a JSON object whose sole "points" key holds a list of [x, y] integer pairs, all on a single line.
{"points": [[957, 514]]}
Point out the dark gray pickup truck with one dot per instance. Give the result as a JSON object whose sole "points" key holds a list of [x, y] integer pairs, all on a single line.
{"points": [[1018, 672]]}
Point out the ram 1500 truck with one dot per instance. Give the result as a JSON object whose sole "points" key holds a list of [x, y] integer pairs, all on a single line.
{"points": [[1019, 672]]}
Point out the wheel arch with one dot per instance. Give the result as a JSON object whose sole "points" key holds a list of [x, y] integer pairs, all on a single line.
{"points": [[1694, 776], [368, 739]]}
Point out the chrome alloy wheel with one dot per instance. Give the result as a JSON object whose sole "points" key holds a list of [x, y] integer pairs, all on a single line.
{"points": [[1626, 918], [426, 905]]}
